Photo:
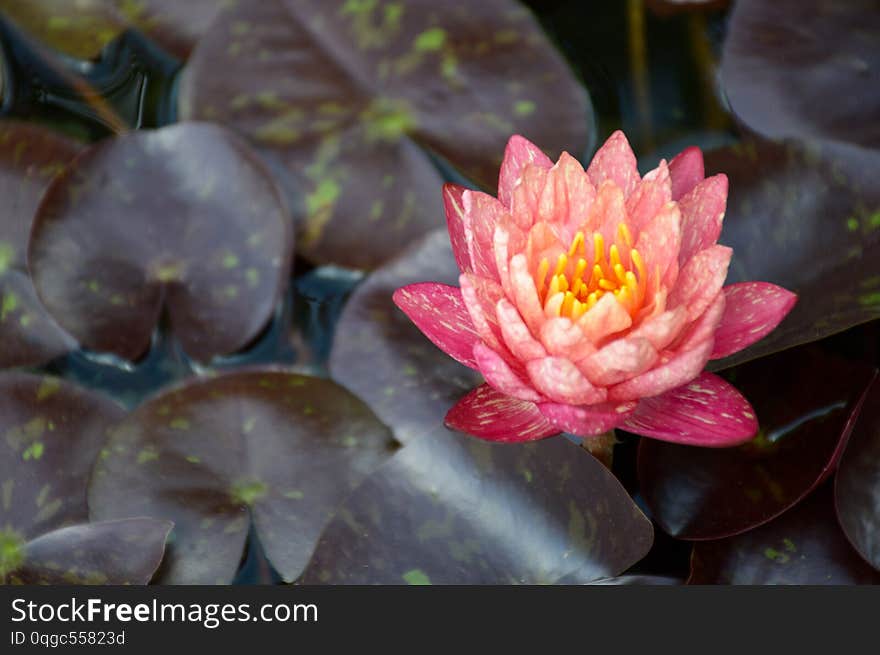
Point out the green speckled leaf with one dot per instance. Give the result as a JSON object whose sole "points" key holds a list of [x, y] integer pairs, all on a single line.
{"points": [[278, 449], [350, 95], [110, 552], [29, 157], [807, 218], [857, 490], [807, 69], [450, 509], [50, 434], [806, 403], [382, 357], [803, 546], [184, 218]]}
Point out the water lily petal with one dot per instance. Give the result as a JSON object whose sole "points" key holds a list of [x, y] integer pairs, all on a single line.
{"points": [[561, 381], [686, 170], [615, 161], [620, 360], [567, 195], [563, 337], [527, 195], [704, 327], [659, 242], [607, 212], [493, 416], [654, 191], [588, 420], [438, 310], [501, 377], [752, 311], [702, 211], [482, 213], [480, 295], [700, 280], [525, 294], [508, 239], [674, 372], [662, 329], [605, 318], [455, 223], [707, 412], [518, 153], [516, 334]]}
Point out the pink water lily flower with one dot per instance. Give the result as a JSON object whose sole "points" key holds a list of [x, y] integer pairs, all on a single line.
{"points": [[593, 299]]}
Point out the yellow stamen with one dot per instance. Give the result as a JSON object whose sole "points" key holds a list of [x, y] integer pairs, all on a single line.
{"points": [[577, 244], [614, 257], [567, 304], [608, 285], [620, 273], [625, 234], [578, 281], [561, 263], [592, 299], [598, 249], [578, 309]]}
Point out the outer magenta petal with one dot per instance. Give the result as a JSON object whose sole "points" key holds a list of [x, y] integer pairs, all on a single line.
{"points": [[519, 152], [491, 415], [455, 223], [501, 377], [479, 296], [686, 170], [752, 311], [439, 312], [702, 211], [707, 412], [615, 161], [482, 213], [588, 420], [679, 370]]}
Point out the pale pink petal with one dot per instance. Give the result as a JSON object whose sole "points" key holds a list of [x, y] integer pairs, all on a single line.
{"points": [[439, 312], [679, 370], [518, 153], [704, 327], [707, 412], [604, 319], [480, 295], [662, 329], [525, 295], [700, 280], [652, 193], [561, 381], [659, 242], [686, 170], [527, 195], [567, 195], [615, 161], [507, 240], [491, 415], [516, 334], [543, 242], [587, 420], [620, 360], [752, 311], [561, 336], [702, 212], [608, 211], [482, 213], [501, 377], [452, 201]]}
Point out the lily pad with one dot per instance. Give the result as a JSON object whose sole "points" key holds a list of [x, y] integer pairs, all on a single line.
{"points": [[184, 218], [354, 98], [857, 482], [268, 446], [805, 69], [804, 546], [380, 355], [806, 403], [111, 552], [807, 218], [450, 509], [29, 157]]}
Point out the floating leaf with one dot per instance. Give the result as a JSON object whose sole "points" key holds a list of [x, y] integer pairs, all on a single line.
{"points": [[857, 482], [351, 98], [806, 403], [110, 552], [450, 509], [383, 358], [803, 546], [29, 157], [183, 217], [806, 218], [808, 70], [279, 449]]}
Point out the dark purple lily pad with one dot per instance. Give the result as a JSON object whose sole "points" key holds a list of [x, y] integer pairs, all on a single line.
{"points": [[29, 157], [273, 447], [803, 546], [383, 358], [184, 218], [351, 97], [806, 402], [805, 69], [857, 490], [450, 509], [111, 552], [807, 218]]}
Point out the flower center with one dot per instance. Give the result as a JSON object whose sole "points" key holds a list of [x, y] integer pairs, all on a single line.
{"points": [[585, 274]]}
